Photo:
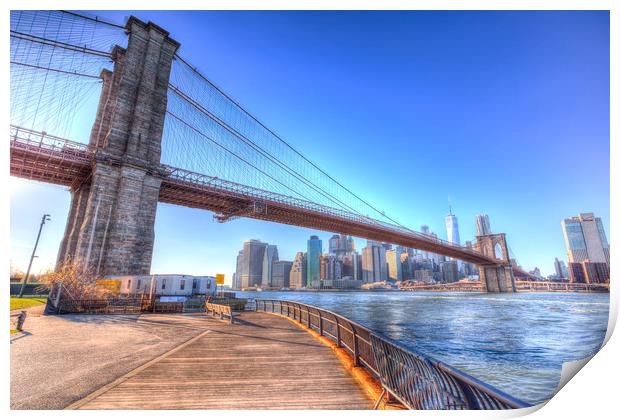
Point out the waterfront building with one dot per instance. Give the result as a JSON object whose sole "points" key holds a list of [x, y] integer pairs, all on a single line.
{"points": [[469, 268], [432, 256], [251, 271], [281, 273], [585, 239], [588, 272], [596, 272], [167, 285], [298, 275], [315, 249], [345, 283], [236, 277], [270, 256], [449, 271], [351, 265], [424, 275], [561, 271], [576, 272], [406, 263], [374, 265], [395, 269], [483, 225], [536, 272], [331, 267]]}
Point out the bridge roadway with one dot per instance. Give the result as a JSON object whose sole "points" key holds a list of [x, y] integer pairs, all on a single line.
{"points": [[45, 158], [262, 361]]}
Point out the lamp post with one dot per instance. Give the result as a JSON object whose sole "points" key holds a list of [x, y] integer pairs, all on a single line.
{"points": [[46, 217]]}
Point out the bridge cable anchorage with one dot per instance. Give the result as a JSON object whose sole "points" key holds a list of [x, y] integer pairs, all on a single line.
{"points": [[282, 141]]}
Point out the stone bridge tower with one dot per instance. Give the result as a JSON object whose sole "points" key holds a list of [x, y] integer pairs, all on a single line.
{"points": [[496, 278], [111, 219]]}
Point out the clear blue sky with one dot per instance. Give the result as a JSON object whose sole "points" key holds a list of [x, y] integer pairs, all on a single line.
{"points": [[503, 112]]}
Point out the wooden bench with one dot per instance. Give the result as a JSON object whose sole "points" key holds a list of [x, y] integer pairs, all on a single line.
{"points": [[221, 310]]}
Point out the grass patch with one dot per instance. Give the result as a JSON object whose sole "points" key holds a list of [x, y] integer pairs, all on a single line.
{"points": [[23, 303]]}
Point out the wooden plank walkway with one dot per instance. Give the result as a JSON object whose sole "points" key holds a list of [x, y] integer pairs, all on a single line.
{"points": [[261, 362]]}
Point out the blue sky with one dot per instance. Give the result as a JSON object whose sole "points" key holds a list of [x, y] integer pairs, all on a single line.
{"points": [[501, 112]]}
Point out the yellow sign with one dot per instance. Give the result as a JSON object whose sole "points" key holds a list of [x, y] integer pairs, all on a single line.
{"points": [[219, 279], [113, 286]]}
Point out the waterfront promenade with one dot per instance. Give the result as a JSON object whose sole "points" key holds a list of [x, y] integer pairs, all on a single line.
{"points": [[188, 362]]}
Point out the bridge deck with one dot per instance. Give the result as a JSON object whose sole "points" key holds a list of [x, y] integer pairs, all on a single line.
{"points": [[261, 362]]}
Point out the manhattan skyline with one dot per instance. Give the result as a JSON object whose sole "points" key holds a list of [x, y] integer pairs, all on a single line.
{"points": [[536, 92]]}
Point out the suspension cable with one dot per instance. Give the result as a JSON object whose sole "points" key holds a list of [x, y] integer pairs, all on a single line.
{"points": [[203, 77], [60, 44], [72, 73], [257, 148]]}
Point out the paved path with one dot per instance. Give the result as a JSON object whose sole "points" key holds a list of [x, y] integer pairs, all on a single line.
{"points": [[60, 359], [263, 362]]}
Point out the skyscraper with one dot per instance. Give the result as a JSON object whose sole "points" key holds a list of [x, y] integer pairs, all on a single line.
{"points": [[452, 228], [374, 265], [449, 271], [561, 271], [334, 244], [483, 225], [585, 239], [315, 249], [236, 276], [340, 244], [331, 267], [270, 256], [298, 276], [251, 272], [281, 273], [394, 264]]}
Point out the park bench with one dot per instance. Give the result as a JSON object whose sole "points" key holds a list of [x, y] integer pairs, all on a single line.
{"points": [[221, 310]]}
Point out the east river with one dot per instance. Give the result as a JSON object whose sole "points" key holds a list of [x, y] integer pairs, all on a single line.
{"points": [[516, 342]]}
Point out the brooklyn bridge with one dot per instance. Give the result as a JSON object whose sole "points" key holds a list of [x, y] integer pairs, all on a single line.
{"points": [[163, 132]]}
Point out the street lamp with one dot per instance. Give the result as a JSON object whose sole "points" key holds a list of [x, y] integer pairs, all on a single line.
{"points": [[45, 218]]}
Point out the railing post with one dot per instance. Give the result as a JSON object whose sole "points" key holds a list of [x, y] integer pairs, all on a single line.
{"points": [[320, 324], [309, 321], [338, 341], [356, 347]]}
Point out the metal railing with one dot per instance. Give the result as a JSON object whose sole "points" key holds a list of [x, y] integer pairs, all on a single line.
{"points": [[419, 382], [104, 306]]}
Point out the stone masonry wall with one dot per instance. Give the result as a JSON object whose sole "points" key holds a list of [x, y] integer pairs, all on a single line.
{"points": [[114, 232]]}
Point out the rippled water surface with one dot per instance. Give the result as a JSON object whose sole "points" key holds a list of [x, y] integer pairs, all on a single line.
{"points": [[516, 342]]}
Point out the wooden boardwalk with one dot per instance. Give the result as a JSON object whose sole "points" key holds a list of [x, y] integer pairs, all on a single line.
{"points": [[261, 362]]}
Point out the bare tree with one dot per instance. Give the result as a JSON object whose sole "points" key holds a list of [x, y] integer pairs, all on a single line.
{"points": [[77, 282]]}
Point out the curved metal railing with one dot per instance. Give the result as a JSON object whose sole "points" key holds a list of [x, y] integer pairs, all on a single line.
{"points": [[419, 382]]}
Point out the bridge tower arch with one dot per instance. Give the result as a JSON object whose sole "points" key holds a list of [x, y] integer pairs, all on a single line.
{"points": [[110, 226], [498, 277]]}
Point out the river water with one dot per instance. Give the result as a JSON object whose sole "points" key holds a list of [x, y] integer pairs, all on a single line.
{"points": [[516, 342]]}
